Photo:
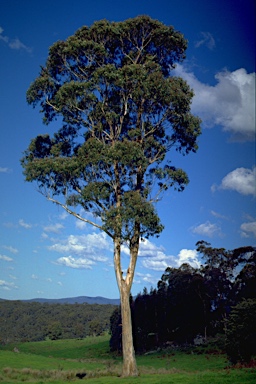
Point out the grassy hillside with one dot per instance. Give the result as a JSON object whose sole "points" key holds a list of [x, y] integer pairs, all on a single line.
{"points": [[61, 360]]}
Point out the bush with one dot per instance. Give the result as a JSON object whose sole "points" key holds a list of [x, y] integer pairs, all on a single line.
{"points": [[241, 332]]}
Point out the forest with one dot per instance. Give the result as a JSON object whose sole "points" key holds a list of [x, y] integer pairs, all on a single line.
{"points": [[25, 321], [190, 306]]}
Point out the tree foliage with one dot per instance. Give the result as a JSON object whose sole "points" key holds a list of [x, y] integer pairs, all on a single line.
{"points": [[121, 113]]}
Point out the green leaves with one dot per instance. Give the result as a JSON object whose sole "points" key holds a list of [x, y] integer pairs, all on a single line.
{"points": [[134, 210], [121, 113]]}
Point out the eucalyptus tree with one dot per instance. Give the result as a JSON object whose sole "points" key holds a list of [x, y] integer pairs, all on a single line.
{"points": [[121, 112]]}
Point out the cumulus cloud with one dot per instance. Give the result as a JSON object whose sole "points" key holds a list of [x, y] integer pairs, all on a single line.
{"points": [[156, 263], [153, 257], [76, 263], [206, 40], [24, 225], [188, 256], [5, 258], [207, 229], [84, 244], [147, 248], [241, 180], [13, 43], [82, 251], [248, 229], [230, 103]]}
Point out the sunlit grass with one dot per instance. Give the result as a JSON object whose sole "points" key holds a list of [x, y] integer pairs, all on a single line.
{"points": [[59, 361]]}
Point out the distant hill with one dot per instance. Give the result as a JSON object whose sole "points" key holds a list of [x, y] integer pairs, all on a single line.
{"points": [[39, 318], [75, 300]]}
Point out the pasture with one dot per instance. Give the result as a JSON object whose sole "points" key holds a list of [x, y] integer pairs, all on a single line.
{"points": [[63, 361]]}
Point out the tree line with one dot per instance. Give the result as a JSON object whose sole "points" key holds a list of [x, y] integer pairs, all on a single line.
{"points": [[189, 304], [21, 321]]}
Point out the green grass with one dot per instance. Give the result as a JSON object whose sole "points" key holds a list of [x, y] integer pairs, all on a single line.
{"points": [[91, 347], [58, 362]]}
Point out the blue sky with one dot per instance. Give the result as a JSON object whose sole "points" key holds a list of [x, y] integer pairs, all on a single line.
{"points": [[46, 253]]}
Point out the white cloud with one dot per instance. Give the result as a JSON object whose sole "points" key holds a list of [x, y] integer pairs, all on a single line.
{"points": [[5, 258], [189, 256], [76, 263], [34, 277], [24, 225], [55, 228], [230, 103], [11, 249], [84, 244], [146, 278], [241, 180], [82, 251], [219, 215], [147, 248], [154, 257], [80, 224], [248, 228], [13, 43], [13, 277], [63, 215], [207, 40], [156, 264], [207, 229], [7, 286]]}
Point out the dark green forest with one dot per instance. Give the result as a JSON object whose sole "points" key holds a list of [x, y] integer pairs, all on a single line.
{"points": [[23, 321], [195, 305]]}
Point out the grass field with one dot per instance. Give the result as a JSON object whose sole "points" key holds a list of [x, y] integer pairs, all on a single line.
{"points": [[59, 361]]}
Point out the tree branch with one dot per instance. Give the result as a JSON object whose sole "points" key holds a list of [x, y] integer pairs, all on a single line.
{"points": [[78, 216]]}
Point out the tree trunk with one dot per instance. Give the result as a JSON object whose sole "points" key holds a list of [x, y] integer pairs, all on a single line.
{"points": [[129, 361], [124, 285]]}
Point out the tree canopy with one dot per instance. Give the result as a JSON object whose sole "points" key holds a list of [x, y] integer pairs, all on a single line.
{"points": [[121, 113]]}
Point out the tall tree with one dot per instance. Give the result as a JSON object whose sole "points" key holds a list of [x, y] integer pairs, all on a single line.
{"points": [[121, 112]]}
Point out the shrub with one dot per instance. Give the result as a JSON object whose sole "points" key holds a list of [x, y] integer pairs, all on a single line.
{"points": [[241, 332]]}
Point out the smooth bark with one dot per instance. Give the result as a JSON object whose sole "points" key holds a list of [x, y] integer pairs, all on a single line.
{"points": [[124, 285]]}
